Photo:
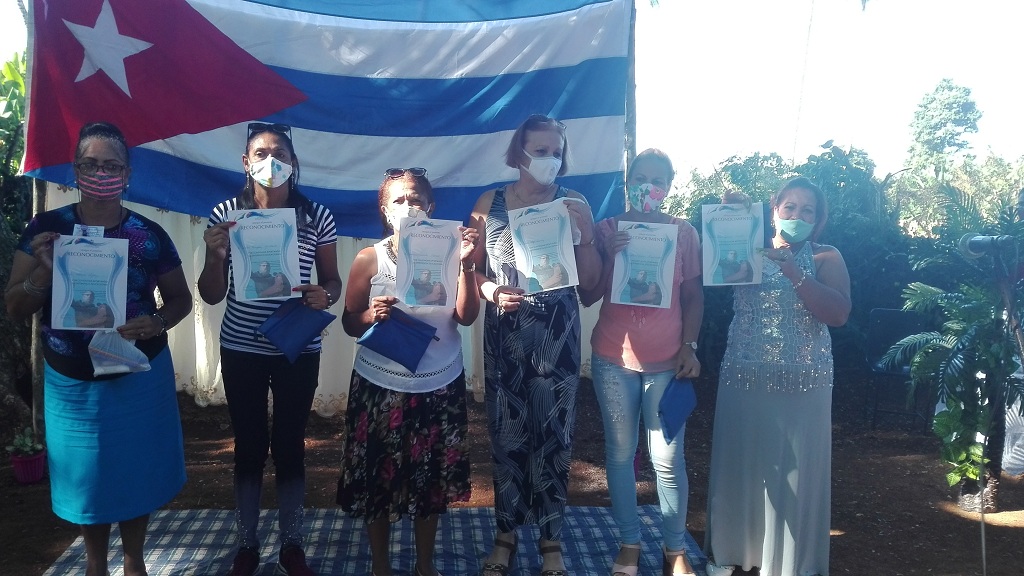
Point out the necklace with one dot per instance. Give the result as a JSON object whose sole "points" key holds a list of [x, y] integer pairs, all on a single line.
{"points": [[522, 201], [391, 250]]}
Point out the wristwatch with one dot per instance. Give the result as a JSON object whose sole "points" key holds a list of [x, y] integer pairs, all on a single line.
{"points": [[692, 344]]}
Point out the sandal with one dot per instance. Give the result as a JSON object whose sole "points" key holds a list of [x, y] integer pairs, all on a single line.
{"points": [[551, 549], [668, 565], [627, 569], [492, 568]]}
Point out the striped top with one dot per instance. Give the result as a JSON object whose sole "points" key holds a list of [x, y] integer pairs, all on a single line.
{"points": [[238, 331]]}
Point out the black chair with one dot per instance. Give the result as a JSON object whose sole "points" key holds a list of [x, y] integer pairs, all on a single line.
{"points": [[890, 386]]}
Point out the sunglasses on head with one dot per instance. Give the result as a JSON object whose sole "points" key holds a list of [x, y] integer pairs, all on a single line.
{"points": [[260, 127], [542, 119], [396, 173]]}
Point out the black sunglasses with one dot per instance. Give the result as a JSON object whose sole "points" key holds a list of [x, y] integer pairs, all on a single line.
{"points": [[260, 127], [396, 173]]}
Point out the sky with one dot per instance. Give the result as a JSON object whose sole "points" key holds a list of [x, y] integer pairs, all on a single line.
{"points": [[733, 77]]}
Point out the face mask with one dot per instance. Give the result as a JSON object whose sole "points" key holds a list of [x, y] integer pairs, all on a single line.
{"points": [[646, 197], [543, 169], [794, 230], [100, 186], [395, 214], [270, 172]]}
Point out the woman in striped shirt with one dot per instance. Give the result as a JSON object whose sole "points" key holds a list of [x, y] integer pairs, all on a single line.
{"points": [[251, 365]]}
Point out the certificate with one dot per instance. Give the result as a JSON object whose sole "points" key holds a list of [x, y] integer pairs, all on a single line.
{"points": [[644, 270], [428, 261], [264, 253], [733, 238], [542, 242], [90, 283]]}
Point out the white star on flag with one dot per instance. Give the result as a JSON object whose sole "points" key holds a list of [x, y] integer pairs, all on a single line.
{"points": [[105, 48]]}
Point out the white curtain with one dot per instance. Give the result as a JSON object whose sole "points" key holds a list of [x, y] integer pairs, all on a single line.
{"points": [[195, 347]]}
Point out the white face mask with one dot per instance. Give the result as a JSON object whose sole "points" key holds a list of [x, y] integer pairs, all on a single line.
{"points": [[543, 169], [270, 172], [396, 212]]}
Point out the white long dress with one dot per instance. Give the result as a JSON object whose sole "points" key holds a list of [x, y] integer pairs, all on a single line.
{"points": [[769, 490]]}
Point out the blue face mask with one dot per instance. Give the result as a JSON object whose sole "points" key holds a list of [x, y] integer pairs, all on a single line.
{"points": [[794, 230]]}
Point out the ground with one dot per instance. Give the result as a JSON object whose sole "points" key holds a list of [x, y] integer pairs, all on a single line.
{"points": [[892, 513]]}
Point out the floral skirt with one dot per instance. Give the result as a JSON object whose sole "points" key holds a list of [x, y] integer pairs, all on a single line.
{"points": [[404, 453]]}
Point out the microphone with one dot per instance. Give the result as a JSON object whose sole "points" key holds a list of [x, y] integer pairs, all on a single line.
{"points": [[976, 245]]}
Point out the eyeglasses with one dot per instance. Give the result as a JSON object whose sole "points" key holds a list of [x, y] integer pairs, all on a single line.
{"points": [[396, 173], [90, 168], [259, 127]]}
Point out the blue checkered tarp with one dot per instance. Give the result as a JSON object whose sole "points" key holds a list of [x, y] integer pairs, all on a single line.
{"points": [[202, 543]]}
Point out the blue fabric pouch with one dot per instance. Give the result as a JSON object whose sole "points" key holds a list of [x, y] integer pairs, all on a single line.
{"points": [[675, 407], [293, 326], [402, 338]]}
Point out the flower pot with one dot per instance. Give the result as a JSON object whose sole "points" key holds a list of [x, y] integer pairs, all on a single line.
{"points": [[29, 469]]}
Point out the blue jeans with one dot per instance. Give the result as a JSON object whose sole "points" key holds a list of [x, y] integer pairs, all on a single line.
{"points": [[623, 395]]}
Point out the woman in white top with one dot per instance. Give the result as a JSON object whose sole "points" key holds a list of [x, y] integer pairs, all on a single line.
{"points": [[404, 450]]}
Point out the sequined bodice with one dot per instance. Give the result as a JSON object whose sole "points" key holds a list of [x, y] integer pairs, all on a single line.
{"points": [[774, 342]]}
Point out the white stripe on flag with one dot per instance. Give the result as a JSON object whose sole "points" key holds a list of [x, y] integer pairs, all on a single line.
{"points": [[348, 46]]}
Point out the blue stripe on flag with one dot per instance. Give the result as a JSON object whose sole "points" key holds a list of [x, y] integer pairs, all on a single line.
{"points": [[419, 107], [154, 175]]}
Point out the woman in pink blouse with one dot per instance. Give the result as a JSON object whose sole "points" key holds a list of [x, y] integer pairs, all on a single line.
{"points": [[637, 351]]}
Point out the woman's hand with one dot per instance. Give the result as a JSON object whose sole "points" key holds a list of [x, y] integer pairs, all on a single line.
{"points": [[616, 243], [380, 307], [469, 239], [508, 298], [735, 197], [140, 328], [689, 365], [218, 241], [580, 213], [313, 296], [42, 249], [784, 258]]}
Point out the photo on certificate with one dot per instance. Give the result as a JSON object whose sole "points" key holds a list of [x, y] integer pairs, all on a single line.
{"points": [[264, 253], [733, 238], [90, 283], [428, 261], [542, 242], [644, 270]]}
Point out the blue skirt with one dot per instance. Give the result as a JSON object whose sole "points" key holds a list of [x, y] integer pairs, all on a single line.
{"points": [[114, 446]]}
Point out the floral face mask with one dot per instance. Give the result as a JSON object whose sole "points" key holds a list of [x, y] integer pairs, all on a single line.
{"points": [[646, 197]]}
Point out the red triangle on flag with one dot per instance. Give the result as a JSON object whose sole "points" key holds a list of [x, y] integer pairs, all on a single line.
{"points": [[156, 69]]}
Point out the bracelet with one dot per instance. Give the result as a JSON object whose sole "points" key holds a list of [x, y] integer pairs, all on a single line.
{"points": [[162, 320], [32, 288], [472, 267], [330, 298], [798, 283]]}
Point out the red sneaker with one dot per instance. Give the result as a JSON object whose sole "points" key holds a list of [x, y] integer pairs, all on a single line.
{"points": [[247, 562], [292, 562]]}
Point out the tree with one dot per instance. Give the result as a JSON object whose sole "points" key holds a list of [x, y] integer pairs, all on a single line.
{"points": [[942, 119]]}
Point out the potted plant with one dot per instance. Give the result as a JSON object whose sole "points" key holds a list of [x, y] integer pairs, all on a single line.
{"points": [[28, 456], [970, 361]]}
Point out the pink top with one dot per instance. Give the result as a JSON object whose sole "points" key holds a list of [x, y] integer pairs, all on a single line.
{"points": [[641, 338]]}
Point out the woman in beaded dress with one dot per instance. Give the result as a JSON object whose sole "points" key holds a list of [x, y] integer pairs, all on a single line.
{"points": [[531, 351], [770, 481]]}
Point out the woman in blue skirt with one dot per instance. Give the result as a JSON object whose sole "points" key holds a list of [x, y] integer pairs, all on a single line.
{"points": [[114, 441]]}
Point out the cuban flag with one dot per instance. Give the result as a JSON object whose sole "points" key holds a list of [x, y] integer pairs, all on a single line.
{"points": [[366, 86]]}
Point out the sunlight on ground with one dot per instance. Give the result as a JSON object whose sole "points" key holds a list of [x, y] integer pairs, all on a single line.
{"points": [[1007, 519]]}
